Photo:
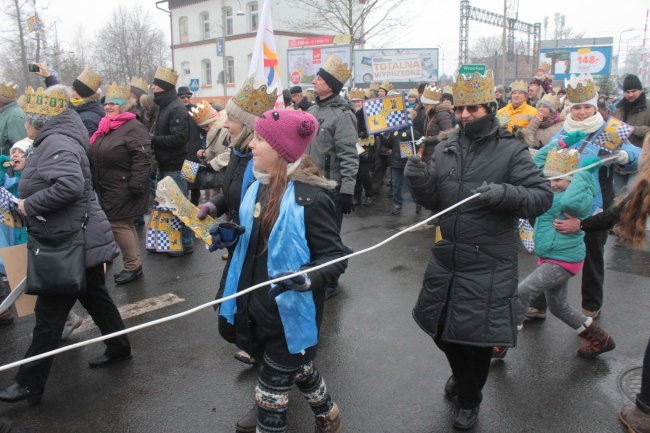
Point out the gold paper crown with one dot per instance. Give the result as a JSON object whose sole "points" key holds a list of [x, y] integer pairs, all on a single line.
{"points": [[374, 86], [139, 83], [91, 79], [335, 67], [431, 93], [561, 161], [474, 90], [167, 75], [8, 90], [448, 89], [556, 89], [545, 66], [255, 100], [551, 100], [203, 112], [519, 86], [581, 88], [116, 91], [39, 103], [387, 86], [357, 94]]}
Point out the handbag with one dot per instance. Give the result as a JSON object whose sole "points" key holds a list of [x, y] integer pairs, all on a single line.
{"points": [[56, 262], [208, 179]]}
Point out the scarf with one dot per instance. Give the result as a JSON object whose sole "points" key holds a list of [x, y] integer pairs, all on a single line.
{"points": [[263, 176], [588, 126], [109, 123], [550, 121]]}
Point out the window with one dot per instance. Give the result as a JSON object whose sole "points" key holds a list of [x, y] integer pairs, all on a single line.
{"points": [[206, 66], [185, 69], [230, 68], [205, 25], [254, 16], [229, 23], [183, 32]]}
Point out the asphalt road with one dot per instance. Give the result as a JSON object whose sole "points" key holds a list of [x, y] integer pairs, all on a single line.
{"points": [[382, 370]]}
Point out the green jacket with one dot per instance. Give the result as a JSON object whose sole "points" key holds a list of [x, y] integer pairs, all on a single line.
{"points": [[577, 201], [12, 127]]}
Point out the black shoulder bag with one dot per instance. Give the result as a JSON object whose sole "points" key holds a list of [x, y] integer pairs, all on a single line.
{"points": [[56, 264]]}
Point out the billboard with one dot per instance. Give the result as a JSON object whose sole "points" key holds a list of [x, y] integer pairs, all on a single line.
{"points": [[303, 63], [566, 61], [407, 66]]}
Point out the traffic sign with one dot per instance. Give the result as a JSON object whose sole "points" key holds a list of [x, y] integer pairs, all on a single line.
{"points": [[469, 69], [194, 84], [219, 47]]}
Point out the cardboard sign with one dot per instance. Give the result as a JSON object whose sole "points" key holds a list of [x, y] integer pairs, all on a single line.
{"points": [[15, 260]]}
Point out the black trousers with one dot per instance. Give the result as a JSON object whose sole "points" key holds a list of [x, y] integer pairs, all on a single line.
{"points": [[364, 181], [470, 366], [51, 314], [381, 166], [195, 196], [644, 395]]}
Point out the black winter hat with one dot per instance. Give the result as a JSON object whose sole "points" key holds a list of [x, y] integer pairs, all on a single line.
{"points": [[295, 89], [183, 90], [632, 82]]}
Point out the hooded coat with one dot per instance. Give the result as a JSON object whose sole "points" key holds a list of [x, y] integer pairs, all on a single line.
{"points": [[470, 285], [54, 185]]}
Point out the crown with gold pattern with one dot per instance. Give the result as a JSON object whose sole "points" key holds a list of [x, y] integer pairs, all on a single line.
{"points": [[167, 75], [140, 84], [8, 90], [39, 103], [519, 86], [431, 95], [474, 90], [255, 100], [91, 79], [203, 113], [447, 89], [551, 101], [117, 92], [357, 94], [559, 162], [545, 66], [581, 88], [374, 86], [387, 86], [336, 68]]}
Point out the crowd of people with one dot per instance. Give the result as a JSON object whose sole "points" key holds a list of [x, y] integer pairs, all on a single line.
{"points": [[291, 174]]}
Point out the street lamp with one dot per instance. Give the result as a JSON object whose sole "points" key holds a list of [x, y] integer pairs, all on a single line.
{"points": [[618, 55], [223, 46]]}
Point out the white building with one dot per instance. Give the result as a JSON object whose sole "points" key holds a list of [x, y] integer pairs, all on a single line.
{"points": [[196, 29]]}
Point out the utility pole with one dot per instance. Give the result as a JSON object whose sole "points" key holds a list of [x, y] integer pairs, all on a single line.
{"points": [[504, 60]]}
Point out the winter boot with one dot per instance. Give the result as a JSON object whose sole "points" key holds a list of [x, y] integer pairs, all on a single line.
{"points": [[595, 340], [499, 352], [636, 418], [330, 423], [248, 424]]}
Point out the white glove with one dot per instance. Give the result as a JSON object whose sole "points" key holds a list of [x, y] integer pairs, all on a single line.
{"points": [[421, 140], [622, 157]]}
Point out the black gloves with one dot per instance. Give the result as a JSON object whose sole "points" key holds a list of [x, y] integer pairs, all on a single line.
{"points": [[416, 170], [299, 283], [346, 203], [225, 235], [135, 192], [492, 195]]}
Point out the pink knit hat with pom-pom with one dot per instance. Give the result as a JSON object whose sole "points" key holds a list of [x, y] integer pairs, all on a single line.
{"points": [[289, 132]]}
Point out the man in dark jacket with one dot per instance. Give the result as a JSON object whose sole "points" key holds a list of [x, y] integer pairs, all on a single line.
{"points": [[470, 286], [85, 96], [334, 149], [170, 137]]}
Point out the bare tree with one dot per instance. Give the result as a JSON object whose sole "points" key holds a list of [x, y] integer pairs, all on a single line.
{"points": [[633, 60], [379, 20], [560, 29], [129, 44]]}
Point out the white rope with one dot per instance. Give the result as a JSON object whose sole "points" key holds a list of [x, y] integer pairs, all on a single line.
{"points": [[257, 286]]}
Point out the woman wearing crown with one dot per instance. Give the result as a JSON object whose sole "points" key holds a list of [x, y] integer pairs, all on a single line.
{"points": [[55, 186], [120, 159], [582, 99]]}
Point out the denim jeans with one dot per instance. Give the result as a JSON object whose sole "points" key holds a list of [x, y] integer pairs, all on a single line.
{"points": [[397, 184], [187, 234]]}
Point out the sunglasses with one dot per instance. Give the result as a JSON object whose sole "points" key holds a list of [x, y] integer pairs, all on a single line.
{"points": [[470, 109], [110, 104], [185, 97]]}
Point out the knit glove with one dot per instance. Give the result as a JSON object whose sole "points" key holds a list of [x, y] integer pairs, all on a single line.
{"points": [[346, 203], [218, 243], [570, 139], [491, 194], [299, 283], [415, 170], [206, 209]]}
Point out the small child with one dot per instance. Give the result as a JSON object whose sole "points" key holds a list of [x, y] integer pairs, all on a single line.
{"points": [[561, 255]]}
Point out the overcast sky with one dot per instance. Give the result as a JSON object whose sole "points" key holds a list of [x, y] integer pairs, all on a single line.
{"points": [[434, 22]]}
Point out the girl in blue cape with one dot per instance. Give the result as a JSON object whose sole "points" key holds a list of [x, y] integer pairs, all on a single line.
{"points": [[287, 224]]}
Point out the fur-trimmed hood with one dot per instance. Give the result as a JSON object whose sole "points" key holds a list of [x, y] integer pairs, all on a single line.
{"points": [[448, 133], [304, 175], [525, 135], [439, 108]]}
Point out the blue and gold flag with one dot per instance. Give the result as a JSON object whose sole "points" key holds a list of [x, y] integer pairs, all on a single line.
{"points": [[386, 113]]}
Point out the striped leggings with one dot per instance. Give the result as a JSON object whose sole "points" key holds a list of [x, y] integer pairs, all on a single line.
{"points": [[272, 393]]}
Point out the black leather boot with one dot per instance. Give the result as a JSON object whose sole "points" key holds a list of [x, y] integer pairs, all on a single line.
{"points": [[451, 387], [128, 276], [16, 392], [466, 418]]}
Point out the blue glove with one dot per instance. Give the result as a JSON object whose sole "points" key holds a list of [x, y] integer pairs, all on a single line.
{"points": [[299, 283], [217, 242]]}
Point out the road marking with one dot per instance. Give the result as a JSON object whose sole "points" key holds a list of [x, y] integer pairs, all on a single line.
{"points": [[137, 308], [417, 229]]}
